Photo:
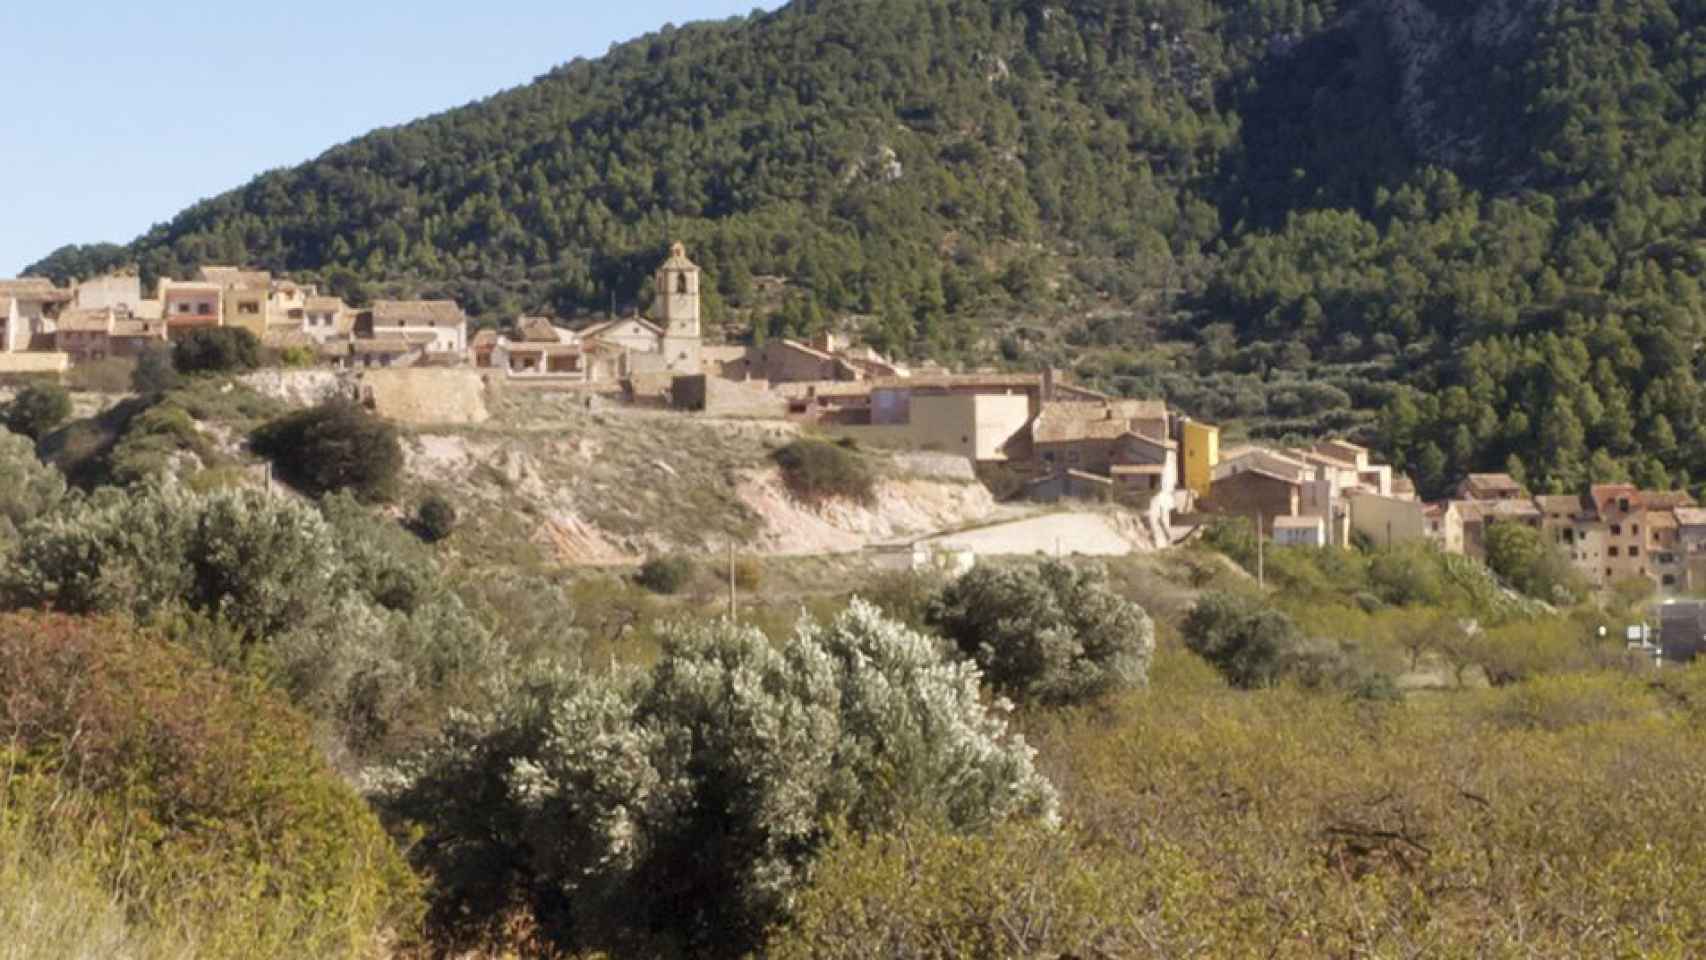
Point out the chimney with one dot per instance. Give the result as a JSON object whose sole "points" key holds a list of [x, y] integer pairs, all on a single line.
{"points": [[1048, 384]]}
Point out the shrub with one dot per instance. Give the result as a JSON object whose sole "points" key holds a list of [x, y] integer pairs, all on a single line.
{"points": [[28, 487], [1249, 642], [336, 445], [201, 796], [436, 519], [1519, 555], [217, 350], [37, 409], [154, 373], [1049, 633], [683, 808], [666, 575], [335, 609], [749, 574], [815, 471]]}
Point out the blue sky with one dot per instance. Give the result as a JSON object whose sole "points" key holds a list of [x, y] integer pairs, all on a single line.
{"points": [[119, 114]]}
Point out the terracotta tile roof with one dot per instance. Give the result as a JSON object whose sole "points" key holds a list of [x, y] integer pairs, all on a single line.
{"points": [[1509, 508], [1263, 472], [1055, 430], [483, 339], [807, 350], [1565, 504], [1468, 510], [599, 329], [1488, 483], [418, 313], [537, 330], [1691, 516], [959, 380], [1667, 499], [325, 305], [1658, 519], [237, 277], [1137, 468]]}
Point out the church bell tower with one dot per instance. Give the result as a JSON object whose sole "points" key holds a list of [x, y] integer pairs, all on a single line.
{"points": [[678, 310]]}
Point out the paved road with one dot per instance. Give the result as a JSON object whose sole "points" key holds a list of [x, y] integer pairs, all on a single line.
{"points": [[1090, 534]]}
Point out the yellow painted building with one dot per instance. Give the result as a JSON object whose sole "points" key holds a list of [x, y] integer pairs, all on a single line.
{"points": [[1200, 454]]}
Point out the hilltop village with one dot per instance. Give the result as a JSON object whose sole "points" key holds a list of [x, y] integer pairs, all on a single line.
{"points": [[1031, 435]]}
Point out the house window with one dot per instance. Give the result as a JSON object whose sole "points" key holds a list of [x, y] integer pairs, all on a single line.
{"points": [[1611, 552], [248, 306], [1623, 504], [1617, 529], [183, 308], [1634, 551], [204, 309], [1634, 529], [1670, 580]]}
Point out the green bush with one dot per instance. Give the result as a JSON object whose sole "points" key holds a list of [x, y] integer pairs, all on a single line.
{"points": [[36, 410], [666, 575], [216, 350], [344, 611], [679, 812], [1523, 558], [28, 487], [201, 796], [154, 373], [1249, 642], [436, 519], [815, 471], [336, 445], [1049, 633]]}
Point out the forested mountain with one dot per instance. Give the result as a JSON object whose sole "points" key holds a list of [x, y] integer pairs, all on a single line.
{"points": [[1481, 219]]}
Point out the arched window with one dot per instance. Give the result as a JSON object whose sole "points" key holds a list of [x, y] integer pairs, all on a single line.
{"points": [[681, 283]]}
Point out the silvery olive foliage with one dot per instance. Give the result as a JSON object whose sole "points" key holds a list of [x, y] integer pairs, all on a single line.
{"points": [[28, 487], [1051, 633], [685, 806], [352, 629]]}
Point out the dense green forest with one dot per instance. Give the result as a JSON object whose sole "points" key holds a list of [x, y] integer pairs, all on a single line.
{"points": [[1466, 232]]}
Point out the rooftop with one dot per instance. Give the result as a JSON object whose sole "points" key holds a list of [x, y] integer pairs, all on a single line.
{"points": [[325, 305], [418, 313]]}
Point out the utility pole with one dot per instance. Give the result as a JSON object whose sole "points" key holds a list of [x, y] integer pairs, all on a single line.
{"points": [[734, 608]]}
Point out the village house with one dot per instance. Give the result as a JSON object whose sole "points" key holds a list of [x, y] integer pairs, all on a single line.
{"points": [[87, 336], [191, 305], [32, 313], [439, 326], [327, 318], [120, 291], [1490, 486], [1258, 492], [1615, 532]]}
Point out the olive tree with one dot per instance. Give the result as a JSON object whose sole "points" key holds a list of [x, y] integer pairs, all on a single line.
{"points": [[683, 807], [1050, 633]]}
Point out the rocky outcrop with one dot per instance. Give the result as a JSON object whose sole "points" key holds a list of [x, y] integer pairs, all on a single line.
{"points": [[1432, 53]]}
